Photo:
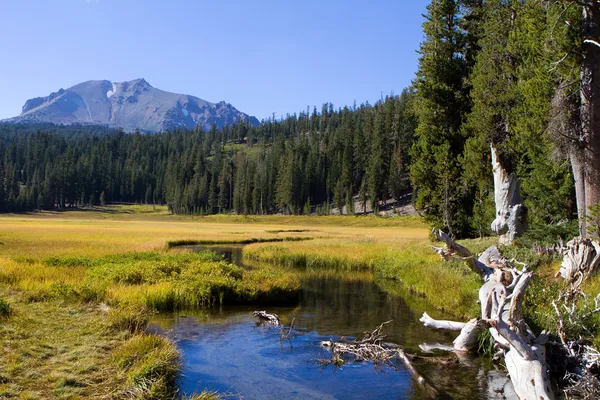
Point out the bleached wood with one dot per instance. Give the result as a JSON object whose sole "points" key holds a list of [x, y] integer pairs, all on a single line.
{"points": [[467, 340], [509, 222], [265, 316], [581, 258], [441, 324], [501, 297], [453, 248]]}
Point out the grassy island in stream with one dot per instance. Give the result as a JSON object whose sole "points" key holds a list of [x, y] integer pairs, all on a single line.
{"points": [[77, 287]]}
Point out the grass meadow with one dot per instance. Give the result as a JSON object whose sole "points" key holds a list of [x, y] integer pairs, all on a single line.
{"points": [[77, 287]]}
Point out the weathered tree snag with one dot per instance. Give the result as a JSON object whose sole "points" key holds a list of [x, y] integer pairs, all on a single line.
{"points": [[501, 297], [510, 216], [581, 258]]}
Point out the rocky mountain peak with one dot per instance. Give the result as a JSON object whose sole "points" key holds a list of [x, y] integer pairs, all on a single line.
{"points": [[130, 105]]}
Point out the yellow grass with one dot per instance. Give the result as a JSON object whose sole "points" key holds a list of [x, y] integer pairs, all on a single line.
{"points": [[123, 229], [54, 257]]}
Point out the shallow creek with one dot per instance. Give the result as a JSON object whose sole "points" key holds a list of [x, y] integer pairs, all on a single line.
{"points": [[226, 349]]}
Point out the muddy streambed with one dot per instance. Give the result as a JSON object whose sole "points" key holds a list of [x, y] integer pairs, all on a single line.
{"points": [[226, 349]]}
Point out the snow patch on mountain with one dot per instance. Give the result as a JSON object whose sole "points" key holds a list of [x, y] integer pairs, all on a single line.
{"points": [[111, 92]]}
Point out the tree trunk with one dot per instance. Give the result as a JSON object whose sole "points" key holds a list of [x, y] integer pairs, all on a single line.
{"points": [[589, 152], [577, 164], [510, 216]]}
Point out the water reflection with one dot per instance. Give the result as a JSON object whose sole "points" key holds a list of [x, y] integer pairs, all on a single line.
{"points": [[226, 350]]}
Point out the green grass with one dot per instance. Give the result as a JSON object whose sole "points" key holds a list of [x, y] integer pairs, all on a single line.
{"points": [[53, 349], [158, 281], [133, 319], [150, 365], [450, 287]]}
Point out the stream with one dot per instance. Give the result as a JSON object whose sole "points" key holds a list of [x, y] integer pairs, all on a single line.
{"points": [[228, 350]]}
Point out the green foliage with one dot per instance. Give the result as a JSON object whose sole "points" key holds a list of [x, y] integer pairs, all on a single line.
{"points": [[593, 219], [485, 343], [548, 234], [278, 166], [441, 104], [67, 262]]}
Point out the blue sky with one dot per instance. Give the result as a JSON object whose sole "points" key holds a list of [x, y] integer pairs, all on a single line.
{"points": [[262, 56]]}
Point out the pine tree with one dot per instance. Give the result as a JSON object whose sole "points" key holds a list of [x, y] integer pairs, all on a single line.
{"points": [[442, 103]]}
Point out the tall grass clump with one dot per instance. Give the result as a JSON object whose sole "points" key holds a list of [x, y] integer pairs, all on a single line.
{"points": [[321, 255], [447, 286], [205, 395], [133, 318], [151, 365], [167, 282], [5, 309]]}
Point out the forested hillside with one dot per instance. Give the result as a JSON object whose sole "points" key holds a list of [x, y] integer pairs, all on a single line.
{"points": [[318, 157], [494, 74], [488, 73]]}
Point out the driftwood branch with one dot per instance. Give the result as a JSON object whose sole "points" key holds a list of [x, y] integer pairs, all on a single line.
{"points": [[371, 348], [453, 248], [590, 41], [429, 389], [286, 335], [265, 316]]}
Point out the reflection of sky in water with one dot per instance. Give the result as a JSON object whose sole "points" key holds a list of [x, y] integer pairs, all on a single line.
{"points": [[226, 351], [239, 357]]}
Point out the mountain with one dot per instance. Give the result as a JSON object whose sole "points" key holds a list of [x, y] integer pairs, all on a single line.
{"points": [[129, 105]]}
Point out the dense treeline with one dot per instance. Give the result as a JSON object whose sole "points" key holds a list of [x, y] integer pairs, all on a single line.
{"points": [[489, 72], [314, 158]]}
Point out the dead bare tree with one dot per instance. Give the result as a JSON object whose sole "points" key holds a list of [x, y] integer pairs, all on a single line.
{"points": [[510, 217], [501, 298]]}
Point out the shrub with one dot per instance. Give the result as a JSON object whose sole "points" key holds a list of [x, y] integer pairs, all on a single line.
{"points": [[67, 262]]}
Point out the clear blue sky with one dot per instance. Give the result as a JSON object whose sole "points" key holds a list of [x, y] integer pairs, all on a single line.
{"points": [[262, 56]]}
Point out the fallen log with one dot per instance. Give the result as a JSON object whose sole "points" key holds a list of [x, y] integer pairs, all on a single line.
{"points": [[429, 389], [501, 298], [265, 316]]}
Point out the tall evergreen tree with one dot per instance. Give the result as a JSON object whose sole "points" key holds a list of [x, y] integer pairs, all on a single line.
{"points": [[442, 103]]}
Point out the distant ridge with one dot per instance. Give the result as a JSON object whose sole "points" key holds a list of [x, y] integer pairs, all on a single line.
{"points": [[129, 105]]}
